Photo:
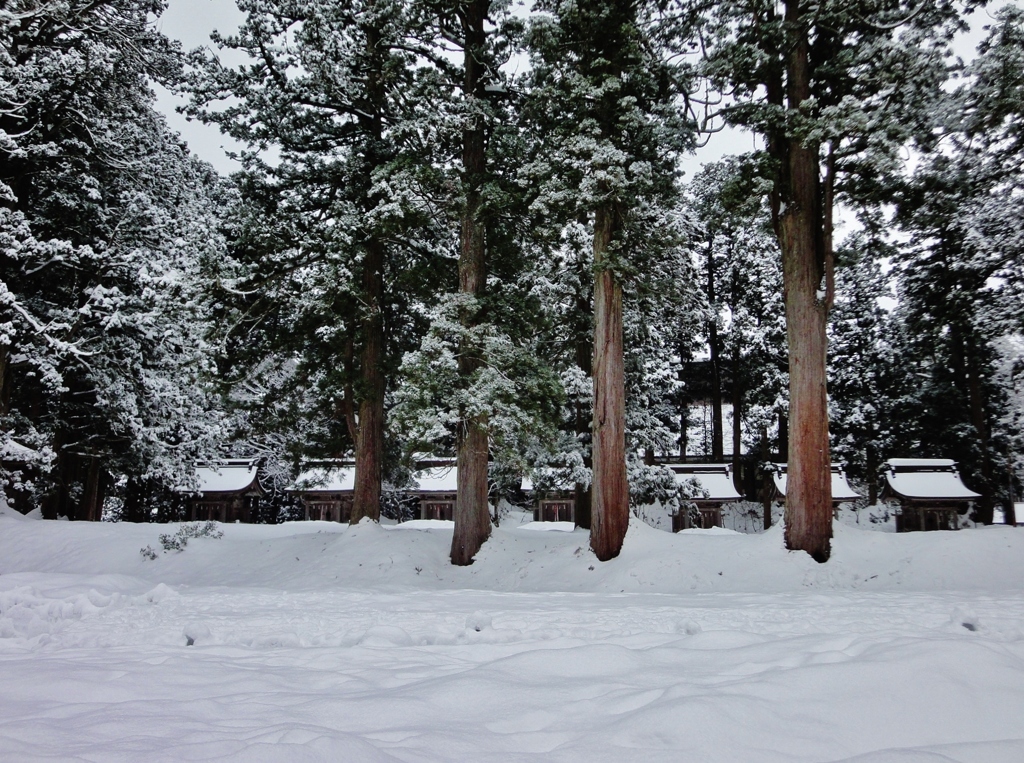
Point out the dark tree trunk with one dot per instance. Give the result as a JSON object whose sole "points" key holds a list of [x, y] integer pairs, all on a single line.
{"points": [[80, 488], [767, 489], [985, 511], [717, 435], [135, 492], [737, 421], [801, 236], [472, 514], [369, 445], [5, 387], [54, 503], [369, 432], [610, 513], [684, 409], [91, 508], [872, 475], [584, 359]]}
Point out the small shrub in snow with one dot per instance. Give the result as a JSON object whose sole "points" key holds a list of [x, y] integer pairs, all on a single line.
{"points": [[177, 541]]}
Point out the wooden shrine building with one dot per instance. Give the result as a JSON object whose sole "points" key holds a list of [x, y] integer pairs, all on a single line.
{"points": [[841, 490], [715, 480], [228, 491], [930, 493], [557, 504], [436, 487], [326, 491]]}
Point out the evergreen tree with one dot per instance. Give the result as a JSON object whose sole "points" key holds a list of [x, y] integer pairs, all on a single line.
{"points": [[867, 378], [960, 280], [339, 92], [107, 228], [483, 31], [836, 90], [605, 98]]}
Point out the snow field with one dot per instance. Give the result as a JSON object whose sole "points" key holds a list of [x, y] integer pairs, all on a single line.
{"points": [[369, 647]]}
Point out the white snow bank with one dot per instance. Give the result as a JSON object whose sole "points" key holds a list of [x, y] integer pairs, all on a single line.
{"points": [[8, 513], [425, 524], [708, 531], [565, 527], [324, 642], [332, 556]]}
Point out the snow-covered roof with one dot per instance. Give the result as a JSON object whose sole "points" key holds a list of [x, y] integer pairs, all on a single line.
{"points": [[716, 479], [230, 476], [15, 451], [325, 479], [927, 478], [841, 490], [554, 479], [437, 479], [928, 464]]}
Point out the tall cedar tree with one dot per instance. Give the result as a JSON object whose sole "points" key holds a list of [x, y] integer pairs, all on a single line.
{"points": [[479, 30], [835, 89], [331, 86], [729, 202], [867, 374], [604, 97], [472, 514], [960, 281], [104, 219]]}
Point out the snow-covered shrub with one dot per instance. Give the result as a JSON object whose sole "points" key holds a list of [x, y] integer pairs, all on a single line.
{"points": [[178, 540], [397, 504]]}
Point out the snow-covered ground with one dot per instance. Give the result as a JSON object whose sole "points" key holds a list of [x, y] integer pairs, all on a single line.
{"points": [[320, 642]]}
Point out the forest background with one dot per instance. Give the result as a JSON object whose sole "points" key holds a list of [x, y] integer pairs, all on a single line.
{"points": [[404, 258]]}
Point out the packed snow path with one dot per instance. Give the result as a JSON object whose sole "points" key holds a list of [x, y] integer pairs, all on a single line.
{"points": [[374, 650]]}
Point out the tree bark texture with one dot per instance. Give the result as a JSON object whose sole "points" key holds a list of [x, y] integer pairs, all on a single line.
{"points": [[472, 513], [610, 509], [801, 236], [369, 434], [584, 314], [369, 444]]}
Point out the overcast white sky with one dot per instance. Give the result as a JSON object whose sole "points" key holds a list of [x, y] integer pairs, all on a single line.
{"points": [[191, 22]]}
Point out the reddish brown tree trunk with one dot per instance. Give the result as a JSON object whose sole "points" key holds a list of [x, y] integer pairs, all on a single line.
{"points": [[801, 236], [472, 514], [94, 494], [369, 443], [369, 432], [610, 509]]}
